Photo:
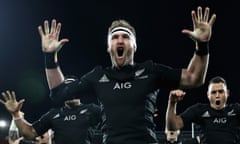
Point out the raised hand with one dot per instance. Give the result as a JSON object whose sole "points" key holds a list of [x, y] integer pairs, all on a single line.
{"points": [[50, 37], [10, 102], [176, 95], [202, 26]]}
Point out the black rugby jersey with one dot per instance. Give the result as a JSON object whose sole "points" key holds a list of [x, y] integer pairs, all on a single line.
{"points": [[128, 96], [70, 126], [216, 126]]}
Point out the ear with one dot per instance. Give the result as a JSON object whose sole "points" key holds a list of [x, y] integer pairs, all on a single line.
{"points": [[228, 92], [108, 49], [135, 48], [208, 95]]}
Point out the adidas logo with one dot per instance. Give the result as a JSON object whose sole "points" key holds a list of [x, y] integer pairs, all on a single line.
{"points": [[56, 116], [206, 114], [104, 78]]}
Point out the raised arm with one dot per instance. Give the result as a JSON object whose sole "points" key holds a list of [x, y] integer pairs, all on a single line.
{"points": [[194, 75], [50, 47], [173, 121], [14, 107]]}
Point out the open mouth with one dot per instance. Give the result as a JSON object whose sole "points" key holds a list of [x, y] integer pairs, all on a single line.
{"points": [[217, 102], [120, 51]]}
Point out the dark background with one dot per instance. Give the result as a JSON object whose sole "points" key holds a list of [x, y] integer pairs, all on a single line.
{"points": [[158, 25]]}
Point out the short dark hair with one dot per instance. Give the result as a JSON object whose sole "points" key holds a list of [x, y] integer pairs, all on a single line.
{"points": [[217, 79]]}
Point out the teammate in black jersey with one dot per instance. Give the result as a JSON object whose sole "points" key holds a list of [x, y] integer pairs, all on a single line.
{"points": [[219, 122], [71, 123], [128, 90]]}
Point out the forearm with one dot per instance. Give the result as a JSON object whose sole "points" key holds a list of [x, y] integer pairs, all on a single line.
{"points": [[196, 71], [172, 120], [54, 77], [53, 71], [24, 127]]}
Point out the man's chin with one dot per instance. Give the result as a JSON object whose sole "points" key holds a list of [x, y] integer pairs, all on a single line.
{"points": [[120, 63], [218, 107]]}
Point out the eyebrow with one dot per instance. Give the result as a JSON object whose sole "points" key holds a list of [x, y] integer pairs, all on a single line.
{"points": [[220, 91]]}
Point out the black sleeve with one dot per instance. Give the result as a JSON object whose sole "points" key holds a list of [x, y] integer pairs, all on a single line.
{"points": [[237, 109], [44, 123], [96, 114], [192, 114], [167, 77], [74, 88], [66, 90]]}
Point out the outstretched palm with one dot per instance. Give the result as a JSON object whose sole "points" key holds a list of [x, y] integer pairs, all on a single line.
{"points": [[10, 102], [50, 37], [202, 27]]}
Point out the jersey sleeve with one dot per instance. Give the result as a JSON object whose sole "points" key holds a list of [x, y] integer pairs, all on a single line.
{"points": [[192, 113], [44, 123], [73, 88], [96, 114], [237, 109], [167, 77]]}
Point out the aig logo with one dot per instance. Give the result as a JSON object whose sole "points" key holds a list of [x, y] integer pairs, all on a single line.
{"points": [[125, 85], [220, 120], [70, 117]]}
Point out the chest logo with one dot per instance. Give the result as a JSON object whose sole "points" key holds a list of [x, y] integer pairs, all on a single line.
{"points": [[103, 79], [139, 72], [83, 111], [70, 118], [231, 113], [220, 120], [123, 85]]}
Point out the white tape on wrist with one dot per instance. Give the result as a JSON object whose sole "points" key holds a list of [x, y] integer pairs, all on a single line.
{"points": [[17, 118]]}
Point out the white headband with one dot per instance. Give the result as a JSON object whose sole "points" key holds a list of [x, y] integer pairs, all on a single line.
{"points": [[124, 30]]}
